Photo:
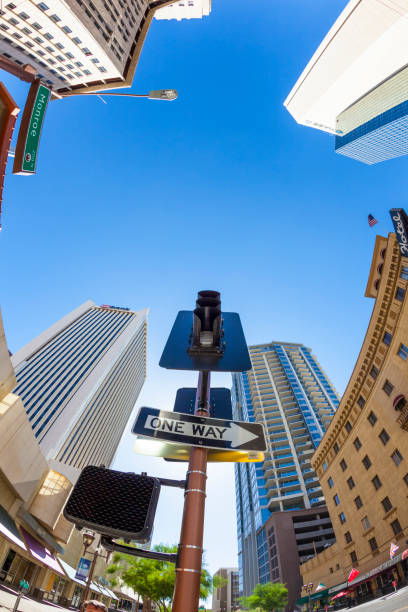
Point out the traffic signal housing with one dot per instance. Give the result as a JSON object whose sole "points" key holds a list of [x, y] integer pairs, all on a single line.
{"points": [[116, 504], [207, 332]]}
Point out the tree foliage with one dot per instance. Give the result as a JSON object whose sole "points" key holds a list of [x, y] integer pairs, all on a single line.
{"points": [[267, 597], [152, 579]]}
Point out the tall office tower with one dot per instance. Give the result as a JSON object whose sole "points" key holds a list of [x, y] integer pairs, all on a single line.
{"points": [[288, 392], [185, 9], [75, 45], [79, 381], [355, 86]]}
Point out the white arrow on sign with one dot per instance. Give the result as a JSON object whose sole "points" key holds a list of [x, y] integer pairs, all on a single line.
{"points": [[235, 434]]}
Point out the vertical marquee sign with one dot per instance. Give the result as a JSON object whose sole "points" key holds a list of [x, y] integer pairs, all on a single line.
{"points": [[400, 221], [28, 141]]}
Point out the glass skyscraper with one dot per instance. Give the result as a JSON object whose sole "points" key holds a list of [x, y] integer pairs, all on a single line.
{"points": [[289, 393], [79, 381]]}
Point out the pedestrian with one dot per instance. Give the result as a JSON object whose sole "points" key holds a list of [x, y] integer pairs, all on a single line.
{"points": [[93, 605], [394, 584]]}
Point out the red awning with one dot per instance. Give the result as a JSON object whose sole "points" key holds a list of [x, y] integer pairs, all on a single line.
{"points": [[341, 594]]}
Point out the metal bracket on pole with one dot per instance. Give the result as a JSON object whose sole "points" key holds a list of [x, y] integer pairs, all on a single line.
{"points": [[167, 482], [110, 544]]}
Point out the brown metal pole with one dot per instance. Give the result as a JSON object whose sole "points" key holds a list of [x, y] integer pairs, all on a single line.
{"points": [[188, 570], [87, 589]]}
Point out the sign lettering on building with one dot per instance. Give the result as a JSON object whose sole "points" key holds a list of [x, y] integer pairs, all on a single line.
{"points": [[400, 221], [28, 141]]}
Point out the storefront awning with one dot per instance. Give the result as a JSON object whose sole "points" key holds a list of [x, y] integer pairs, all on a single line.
{"points": [[39, 552], [9, 529], [70, 572], [107, 592]]}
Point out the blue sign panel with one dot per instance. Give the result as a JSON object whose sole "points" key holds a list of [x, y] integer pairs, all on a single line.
{"points": [[83, 569], [400, 221]]}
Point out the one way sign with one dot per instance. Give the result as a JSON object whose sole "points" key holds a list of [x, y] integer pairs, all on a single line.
{"points": [[198, 431]]}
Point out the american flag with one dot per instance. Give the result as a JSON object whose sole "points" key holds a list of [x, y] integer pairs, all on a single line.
{"points": [[393, 550], [372, 220]]}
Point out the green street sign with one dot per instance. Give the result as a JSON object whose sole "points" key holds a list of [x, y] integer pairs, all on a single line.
{"points": [[28, 141]]}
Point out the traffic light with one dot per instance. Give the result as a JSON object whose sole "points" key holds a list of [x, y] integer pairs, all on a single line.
{"points": [[207, 330], [117, 504], [206, 339]]}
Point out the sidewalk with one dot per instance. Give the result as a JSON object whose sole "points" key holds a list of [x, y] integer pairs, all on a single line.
{"points": [[8, 598]]}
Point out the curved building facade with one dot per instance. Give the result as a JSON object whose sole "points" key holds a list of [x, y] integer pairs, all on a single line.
{"points": [[362, 460]]}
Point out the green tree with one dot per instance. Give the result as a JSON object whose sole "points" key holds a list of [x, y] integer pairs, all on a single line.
{"points": [[266, 597], [152, 579]]}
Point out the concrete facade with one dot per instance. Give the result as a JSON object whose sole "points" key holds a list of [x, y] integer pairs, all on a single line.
{"points": [[363, 48], [290, 538], [75, 46], [362, 461], [185, 9], [225, 598]]}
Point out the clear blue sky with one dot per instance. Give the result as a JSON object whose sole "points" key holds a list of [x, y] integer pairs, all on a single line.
{"points": [[142, 203]]}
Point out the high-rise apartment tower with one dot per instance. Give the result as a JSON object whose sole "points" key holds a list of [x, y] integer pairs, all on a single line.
{"points": [[289, 393], [79, 381]]}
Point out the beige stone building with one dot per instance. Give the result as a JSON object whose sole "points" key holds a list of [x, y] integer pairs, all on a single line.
{"points": [[34, 534], [362, 460]]}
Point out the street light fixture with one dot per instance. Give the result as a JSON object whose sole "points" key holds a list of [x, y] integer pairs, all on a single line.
{"points": [[88, 538], [308, 588], [155, 94]]}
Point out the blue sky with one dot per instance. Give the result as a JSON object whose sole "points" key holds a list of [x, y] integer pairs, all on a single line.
{"points": [[142, 203]]}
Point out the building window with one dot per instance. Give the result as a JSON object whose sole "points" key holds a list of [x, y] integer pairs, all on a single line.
{"points": [[357, 444], [397, 457], [343, 465], [77, 40], [348, 537], [367, 462], [387, 505], [406, 479], [331, 570], [374, 372], [336, 447], [342, 518], [373, 544], [358, 502], [86, 51], [43, 6], [353, 557], [324, 462], [372, 419], [396, 527], [388, 387], [404, 273], [366, 523], [351, 483], [400, 294], [403, 350], [24, 15], [348, 426], [67, 30], [384, 437], [330, 482], [361, 401], [48, 36], [336, 500], [376, 482], [387, 338], [37, 26]]}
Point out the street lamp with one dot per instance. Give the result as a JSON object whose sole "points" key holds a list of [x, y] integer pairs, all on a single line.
{"points": [[155, 94], [308, 588], [88, 538]]}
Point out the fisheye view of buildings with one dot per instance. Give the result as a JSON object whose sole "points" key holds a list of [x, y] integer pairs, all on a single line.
{"points": [[204, 319]]}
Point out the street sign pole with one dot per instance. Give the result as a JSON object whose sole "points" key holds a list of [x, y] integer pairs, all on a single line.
{"points": [[188, 570]]}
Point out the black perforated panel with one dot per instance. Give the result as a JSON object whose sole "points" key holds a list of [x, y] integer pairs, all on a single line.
{"points": [[118, 504]]}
